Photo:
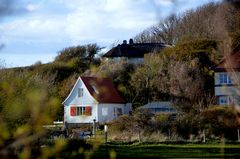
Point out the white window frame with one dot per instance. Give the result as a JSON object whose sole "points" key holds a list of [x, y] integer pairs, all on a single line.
{"points": [[224, 78], [223, 100], [226, 100]]}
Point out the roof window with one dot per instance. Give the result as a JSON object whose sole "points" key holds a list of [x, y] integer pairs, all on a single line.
{"points": [[95, 89]]}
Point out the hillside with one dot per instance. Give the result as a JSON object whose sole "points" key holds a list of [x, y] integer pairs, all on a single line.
{"points": [[199, 37]]}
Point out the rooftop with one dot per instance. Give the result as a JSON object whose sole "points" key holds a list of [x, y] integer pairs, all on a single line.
{"points": [[229, 63], [134, 49], [102, 89]]}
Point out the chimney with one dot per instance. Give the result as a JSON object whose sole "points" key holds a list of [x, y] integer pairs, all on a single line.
{"points": [[131, 41], [124, 41]]}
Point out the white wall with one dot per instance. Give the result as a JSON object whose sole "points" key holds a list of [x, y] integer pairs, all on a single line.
{"points": [[82, 118], [110, 111], [86, 99], [226, 90]]}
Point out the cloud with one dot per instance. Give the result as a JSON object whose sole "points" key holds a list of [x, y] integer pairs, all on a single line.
{"points": [[49, 26], [32, 7]]}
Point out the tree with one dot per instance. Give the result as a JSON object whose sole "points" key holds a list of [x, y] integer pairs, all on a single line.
{"points": [[165, 31], [80, 52]]}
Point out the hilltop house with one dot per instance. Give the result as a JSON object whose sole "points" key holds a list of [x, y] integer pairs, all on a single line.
{"points": [[227, 81], [133, 52], [91, 99]]}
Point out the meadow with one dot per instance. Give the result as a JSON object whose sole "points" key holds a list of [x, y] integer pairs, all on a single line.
{"points": [[155, 151]]}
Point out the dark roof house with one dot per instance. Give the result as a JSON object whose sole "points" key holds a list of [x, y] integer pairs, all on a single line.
{"points": [[134, 50]]}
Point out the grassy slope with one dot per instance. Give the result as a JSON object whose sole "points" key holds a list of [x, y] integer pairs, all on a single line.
{"points": [[169, 151]]}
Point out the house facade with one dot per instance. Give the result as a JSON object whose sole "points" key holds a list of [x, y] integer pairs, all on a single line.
{"points": [[227, 80], [93, 99]]}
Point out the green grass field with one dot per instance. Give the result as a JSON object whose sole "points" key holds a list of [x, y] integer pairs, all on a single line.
{"points": [[167, 151]]}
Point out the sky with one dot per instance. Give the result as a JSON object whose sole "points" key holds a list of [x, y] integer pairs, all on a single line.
{"points": [[36, 30]]}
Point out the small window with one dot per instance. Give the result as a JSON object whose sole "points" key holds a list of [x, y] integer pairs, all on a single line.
{"points": [[224, 78], [95, 89], [223, 100], [104, 111], [226, 100], [119, 111], [80, 92]]}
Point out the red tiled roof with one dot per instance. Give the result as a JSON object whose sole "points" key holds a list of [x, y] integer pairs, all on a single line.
{"points": [[232, 62], [102, 89]]}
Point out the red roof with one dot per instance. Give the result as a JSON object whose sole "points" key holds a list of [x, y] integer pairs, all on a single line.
{"points": [[232, 62], [102, 89]]}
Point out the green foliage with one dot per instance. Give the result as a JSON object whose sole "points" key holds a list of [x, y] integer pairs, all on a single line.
{"points": [[120, 73], [86, 52]]}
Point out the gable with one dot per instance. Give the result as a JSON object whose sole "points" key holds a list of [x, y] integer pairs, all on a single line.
{"points": [[77, 97]]}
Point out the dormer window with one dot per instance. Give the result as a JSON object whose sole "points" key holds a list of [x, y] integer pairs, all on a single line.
{"points": [[80, 92], [95, 89]]}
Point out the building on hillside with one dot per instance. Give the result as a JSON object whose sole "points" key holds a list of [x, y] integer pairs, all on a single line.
{"points": [[227, 80], [93, 99], [133, 52], [159, 107]]}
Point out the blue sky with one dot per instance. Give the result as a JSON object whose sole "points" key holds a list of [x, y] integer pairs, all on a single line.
{"points": [[35, 30]]}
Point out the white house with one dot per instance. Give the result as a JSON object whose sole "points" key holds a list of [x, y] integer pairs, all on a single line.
{"points": [[93, 99], [227, 80]]}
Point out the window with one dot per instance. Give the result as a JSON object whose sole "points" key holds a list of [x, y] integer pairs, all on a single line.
{"points": [[117, 111], [78, 111], [104, 111], [225, 100], [224, 78], [80, 92], [95, 89]]}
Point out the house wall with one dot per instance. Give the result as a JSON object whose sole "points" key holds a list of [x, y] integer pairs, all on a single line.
{"points": [[228, 91], [107, 113], [137, 60], [85, 100], [81, 118]]}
